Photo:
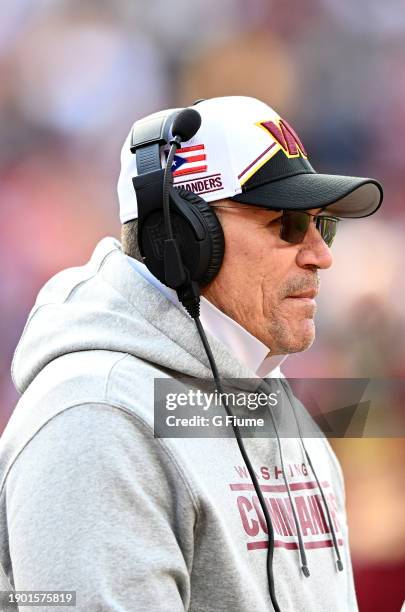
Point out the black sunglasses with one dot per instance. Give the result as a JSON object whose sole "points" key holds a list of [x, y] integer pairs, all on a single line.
{"points": [[294, 225]]}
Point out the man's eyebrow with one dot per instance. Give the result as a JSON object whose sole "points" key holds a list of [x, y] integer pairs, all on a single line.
{"points": [[248, 207]]}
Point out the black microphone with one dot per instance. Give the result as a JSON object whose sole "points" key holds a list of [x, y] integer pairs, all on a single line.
{"points": [[186, 125]]}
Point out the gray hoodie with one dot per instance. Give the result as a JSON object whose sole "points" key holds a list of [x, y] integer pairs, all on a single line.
{"points": [[92, 502]]}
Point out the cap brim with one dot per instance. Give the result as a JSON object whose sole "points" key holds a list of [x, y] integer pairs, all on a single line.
{"points": [[344, 196]]}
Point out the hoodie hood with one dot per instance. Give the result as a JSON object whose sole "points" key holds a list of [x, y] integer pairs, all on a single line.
{"points": [[107, 305]]}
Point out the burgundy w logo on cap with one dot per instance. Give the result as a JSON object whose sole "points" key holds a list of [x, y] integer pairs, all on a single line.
{"points": [[287, 138]]}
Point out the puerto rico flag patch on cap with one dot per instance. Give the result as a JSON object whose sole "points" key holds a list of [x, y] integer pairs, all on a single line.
{"points": [[189, 160]]}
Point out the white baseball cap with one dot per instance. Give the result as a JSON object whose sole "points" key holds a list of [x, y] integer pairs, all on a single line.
{"points": [[245, 151]]}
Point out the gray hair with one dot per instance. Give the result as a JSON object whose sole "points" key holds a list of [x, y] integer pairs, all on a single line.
{"points": [[129, 239]]}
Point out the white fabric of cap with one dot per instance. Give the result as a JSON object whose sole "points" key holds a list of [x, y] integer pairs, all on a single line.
{"points": [[230, 147]]}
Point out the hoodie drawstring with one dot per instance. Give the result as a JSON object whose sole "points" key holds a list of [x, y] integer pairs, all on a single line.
{"points": [[330, 522], [332, 529], [303, 556]]}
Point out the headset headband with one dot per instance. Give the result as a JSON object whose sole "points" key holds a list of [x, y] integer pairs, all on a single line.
{"points": [[148, 135]]}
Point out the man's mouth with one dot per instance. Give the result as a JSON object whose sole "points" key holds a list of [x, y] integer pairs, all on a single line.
{"points": [[310, 294]]}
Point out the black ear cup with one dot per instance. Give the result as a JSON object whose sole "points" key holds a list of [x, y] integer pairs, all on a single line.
{"points": [[197, 231], [215, 238]]}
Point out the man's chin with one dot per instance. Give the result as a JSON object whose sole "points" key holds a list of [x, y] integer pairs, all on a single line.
{"points": [[304, 346], [304, 339], [297, 340]]}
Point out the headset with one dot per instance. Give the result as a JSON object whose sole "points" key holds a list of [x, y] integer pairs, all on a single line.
{"points": [[179, 235], [182, 242]]}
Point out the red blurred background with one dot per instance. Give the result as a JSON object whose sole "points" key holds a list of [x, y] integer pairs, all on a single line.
{"points": [[75, 75]]}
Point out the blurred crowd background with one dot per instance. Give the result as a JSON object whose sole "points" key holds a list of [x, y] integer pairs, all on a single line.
{"points": [[76, 74]]}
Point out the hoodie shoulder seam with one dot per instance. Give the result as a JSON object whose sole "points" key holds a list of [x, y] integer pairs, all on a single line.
{"points": [[107, 382], [89, 278]]}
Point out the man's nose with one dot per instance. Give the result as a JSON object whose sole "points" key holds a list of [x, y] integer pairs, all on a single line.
{"points": [[314, 251]]}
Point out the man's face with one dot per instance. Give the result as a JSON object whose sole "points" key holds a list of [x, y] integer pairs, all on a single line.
{"points": [[261, 274]]}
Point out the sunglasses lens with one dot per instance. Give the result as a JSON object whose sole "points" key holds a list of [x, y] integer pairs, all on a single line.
{"points": [[294, 226], [327, 228]]}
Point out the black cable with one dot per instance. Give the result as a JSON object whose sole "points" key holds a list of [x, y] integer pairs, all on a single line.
{"points": [[270, 530], [189, 295], [167, 183]]}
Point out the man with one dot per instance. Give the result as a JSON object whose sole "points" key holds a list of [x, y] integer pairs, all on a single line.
{"points": [[91, 501]]}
